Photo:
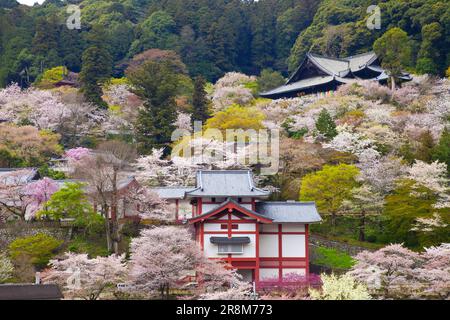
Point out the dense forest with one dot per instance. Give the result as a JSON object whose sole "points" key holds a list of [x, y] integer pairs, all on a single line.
{"points": [[214, 37]]}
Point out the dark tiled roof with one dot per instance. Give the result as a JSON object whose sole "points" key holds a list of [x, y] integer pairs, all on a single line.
{"points": [[300, 212], [226, 183], [226, 240], [172, 192], [30, 292]]}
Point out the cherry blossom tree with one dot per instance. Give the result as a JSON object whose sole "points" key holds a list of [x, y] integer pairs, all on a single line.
{"points": [[381, 173], [364, 202], [81, 277], [77, 154], [6, 267], [38, 193], [342, 287], [434, 177], [149, 205], [159, 257], [395, 272]]}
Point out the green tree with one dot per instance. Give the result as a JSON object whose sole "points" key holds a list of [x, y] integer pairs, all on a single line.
{"points": [[157, 31], [426, 146], [37, 249], [329, 187], [236, 117], [403, 207], [71, 202], [269, 79], [325, 124], [96, 69], [394, 50], [156, 83], [441, 151], [200, 110], [430, 59]]}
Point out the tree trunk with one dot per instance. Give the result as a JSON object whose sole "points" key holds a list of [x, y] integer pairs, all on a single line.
{"points": [[333, 221], [114, 216], [362, 227], [392, 83], [107, 228]]}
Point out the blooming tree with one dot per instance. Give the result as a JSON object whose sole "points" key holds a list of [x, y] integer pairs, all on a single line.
{"points": [[395, 272], [434, 177], [6, 267], [340, 288], [38, 193], [81, 277], [77, 154], [159, 257]]}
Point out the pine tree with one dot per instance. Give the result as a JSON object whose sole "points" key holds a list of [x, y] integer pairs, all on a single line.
{"points": [[325, 125], [97, 65], [199, 101], [156, 83]]}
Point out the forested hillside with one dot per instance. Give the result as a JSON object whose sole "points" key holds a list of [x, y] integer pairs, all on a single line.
{"points": [[214, 37]]}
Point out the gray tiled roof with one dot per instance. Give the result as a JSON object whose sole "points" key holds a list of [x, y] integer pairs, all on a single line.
{"points": [[301, 212], [226, 183], [172, 192], [302, 84], [19, 176], [340, 70]]}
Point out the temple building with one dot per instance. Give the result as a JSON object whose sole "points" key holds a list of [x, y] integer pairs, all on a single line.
{"points": [[319, 74], [233, 221]]}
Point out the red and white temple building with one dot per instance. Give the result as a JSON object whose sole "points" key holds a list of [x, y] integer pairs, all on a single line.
{"points": [[263, 240]]}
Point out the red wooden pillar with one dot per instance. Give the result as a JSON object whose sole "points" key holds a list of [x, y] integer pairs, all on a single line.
{"points": [[256, 273], [280, 253], [307, 249]]}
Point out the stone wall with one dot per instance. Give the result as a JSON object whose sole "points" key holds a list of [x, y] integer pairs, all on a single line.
{"points": [[352, 250], [19, 229]]}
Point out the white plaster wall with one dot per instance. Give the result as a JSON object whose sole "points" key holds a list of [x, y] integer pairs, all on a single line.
{"points": [[213, 227], [208, 207], [246, 227], [293, 227], [265, 274], [268, 245], [293, 246]]}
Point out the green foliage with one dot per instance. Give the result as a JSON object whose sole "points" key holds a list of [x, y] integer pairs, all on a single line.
{"points": [[93, 245], [269, 79], [156, 83], [329, 187], [394, 51], [96, 69], [441, 151], [293, 134], [407, 203], [425, 149], [46, 171], [333, 259], [325, 125], [39, 249], [51, 76], [236, 117], [200, 110], [71, 202]]}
